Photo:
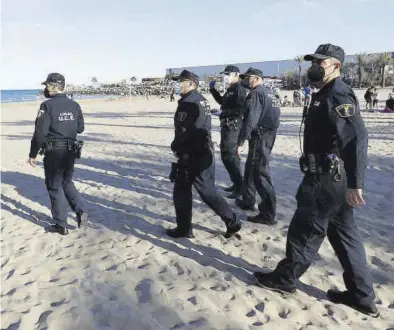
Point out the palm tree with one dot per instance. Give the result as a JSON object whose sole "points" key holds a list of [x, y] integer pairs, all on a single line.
{"points": [[361, 59], [94, 80], [384, 59], [133, 79], [299, 59]]}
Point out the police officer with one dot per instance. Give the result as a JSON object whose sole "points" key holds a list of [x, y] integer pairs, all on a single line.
{"points": [[192, 145], [231, 105], [260, 124], [334, 135], [58, 121]]}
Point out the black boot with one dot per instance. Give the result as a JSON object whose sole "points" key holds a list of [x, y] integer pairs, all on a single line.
{"points": [[259, 218], [346, 298], [178, 232], [242, 205], [82, 219], [233, 228], [229, 189], [57, 229], [267, 281]]}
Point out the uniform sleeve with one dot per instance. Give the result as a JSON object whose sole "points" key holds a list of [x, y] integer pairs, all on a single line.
{"points": [[352, 137], [241, 97], [216, 95], [251, 117], [43, 122], [81, 121], [184, 139]]}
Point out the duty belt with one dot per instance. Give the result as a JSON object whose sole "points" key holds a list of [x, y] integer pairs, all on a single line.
{"points": [[259, 130], [318, 164]]}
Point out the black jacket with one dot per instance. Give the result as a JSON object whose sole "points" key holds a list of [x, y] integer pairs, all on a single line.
{"points": [[58, 118], [334, 125]]}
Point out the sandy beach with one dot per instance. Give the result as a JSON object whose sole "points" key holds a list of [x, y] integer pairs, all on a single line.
{"points": [[122, 272]]}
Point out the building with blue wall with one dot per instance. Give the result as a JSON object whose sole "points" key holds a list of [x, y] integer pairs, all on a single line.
{"points": [[269, 68]]}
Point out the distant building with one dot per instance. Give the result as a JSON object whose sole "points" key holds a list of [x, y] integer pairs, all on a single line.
{"points": [[269, 68]]}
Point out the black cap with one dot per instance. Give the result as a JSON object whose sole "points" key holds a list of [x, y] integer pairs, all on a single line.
{"points": [[252, 72], [54, 78], [326, 51], [187, 75], [230, 68]]}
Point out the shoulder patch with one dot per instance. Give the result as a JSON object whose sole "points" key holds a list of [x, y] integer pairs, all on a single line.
{"points": [[346, 110], [40, 113], [206, 107]]}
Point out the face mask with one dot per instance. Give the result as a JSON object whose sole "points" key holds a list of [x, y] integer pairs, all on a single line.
{"points": [[46, 93], [245, 83], [228, 79], [316, 73]]}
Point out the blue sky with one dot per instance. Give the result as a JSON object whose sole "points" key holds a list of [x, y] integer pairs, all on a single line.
{"points": [[114, 40]]}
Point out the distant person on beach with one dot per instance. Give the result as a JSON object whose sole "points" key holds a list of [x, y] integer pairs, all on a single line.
{"points": [[368, 97], [172, 95], [308, 96], [333, 161], [375, 97], [259, 127], [193, 147], [390, 104], [58, 122], [232, 110]]}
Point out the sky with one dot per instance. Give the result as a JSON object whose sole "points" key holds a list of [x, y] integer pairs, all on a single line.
{"points": [[118, 39]]}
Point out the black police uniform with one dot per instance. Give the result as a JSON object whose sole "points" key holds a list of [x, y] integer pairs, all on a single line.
{"points": [[334, 134], [58, 121], [260, 124], [196, 165], [232, 106]]}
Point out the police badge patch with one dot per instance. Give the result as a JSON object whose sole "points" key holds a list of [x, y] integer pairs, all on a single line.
{"points": [[206, 106], [346, 110], [40, 113]]}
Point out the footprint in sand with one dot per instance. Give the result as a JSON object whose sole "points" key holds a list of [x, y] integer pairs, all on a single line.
{"points": [[378, 262], [260, 307], [258, 324], [42, 321], [251, 313], [198, 323], [264, 247], [10, 273], [58, 303], [284, 313], [142, 290], [144, 266], [179, 269], [218, 288], [193, 300]]}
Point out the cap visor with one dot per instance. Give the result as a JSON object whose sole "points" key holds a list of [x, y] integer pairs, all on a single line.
{"points": [[311, 57], [243, 75], [176, 78], [44, 82]]}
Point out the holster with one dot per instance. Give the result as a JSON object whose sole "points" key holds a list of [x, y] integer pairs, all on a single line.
{"points": [[316, 164]]}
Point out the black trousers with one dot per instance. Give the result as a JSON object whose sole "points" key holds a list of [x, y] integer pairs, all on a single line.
{"points": [[257, 174], [322, 211], [200, 173], [59, 170], [228, 152]]}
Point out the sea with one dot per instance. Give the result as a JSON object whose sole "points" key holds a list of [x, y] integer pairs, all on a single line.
{"points": [[29, 95]]}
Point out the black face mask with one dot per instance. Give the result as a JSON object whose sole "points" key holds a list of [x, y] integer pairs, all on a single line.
{"points": [[245, 83], [46, 93], [316, 73]]}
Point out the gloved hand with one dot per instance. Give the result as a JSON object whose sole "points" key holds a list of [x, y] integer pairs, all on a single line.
{"points": [[174, 170], [216, 112], [212, 84]]}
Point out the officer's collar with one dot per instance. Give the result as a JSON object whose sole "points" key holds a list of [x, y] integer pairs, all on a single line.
{"points": [[329, 84], [188, 93], [60, 95]]}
